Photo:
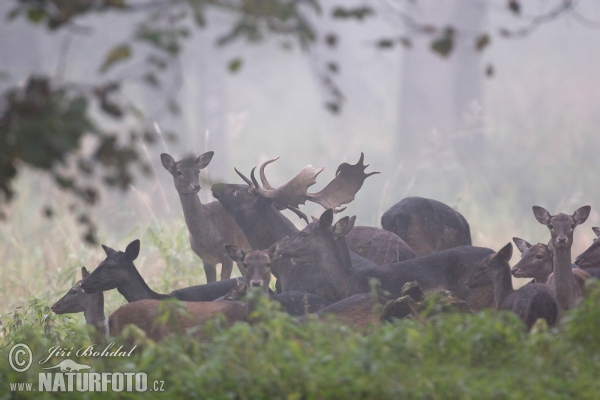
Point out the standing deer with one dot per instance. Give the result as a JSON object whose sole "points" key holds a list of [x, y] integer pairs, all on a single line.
{"points": [[427, 225], [446, 269], [77, 300], [210, 226], [530, 302], [117, 271], [561, 227]]}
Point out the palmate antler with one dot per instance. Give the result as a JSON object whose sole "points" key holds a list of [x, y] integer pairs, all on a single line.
{"points": [[341, 190]]}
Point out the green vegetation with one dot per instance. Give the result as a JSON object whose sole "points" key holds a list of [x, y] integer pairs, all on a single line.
{"points": [[446, 356]]}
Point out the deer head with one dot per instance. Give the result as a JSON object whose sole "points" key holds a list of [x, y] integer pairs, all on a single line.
{"points": [[186, 172], [590, 258], [491, 266], [537, 261], [76, 300], [116, 268], [257, 265], [561, 226]]}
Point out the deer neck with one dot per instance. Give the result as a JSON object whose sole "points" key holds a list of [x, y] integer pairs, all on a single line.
{"points": [[193, 212], [502, 286], [334, 265], [265, 227], [94, 311], [564, 284], [135, 289]]}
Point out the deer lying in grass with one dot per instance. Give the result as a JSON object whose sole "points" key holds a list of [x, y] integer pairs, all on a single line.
{"points": [[91, 305], [210, 226], [530, 302], [257, 266], [427, 225], [537, 262], [117, 271], [447, 269], [561, 227]]}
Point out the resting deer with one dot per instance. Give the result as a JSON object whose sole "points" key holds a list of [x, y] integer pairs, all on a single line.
{"points": [[91, 305], [447, 269], [256, 209], [117, 271], [145, 314], [210, 226], [537, 262], [257, 265], [530, 302], [427, 225], [561, 227]]}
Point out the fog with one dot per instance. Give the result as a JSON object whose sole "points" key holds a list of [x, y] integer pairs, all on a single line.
{"points": [[437, 127]]}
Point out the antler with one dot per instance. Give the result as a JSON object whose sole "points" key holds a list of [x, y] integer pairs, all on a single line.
{"points": [[341, 190], [348, 180]]}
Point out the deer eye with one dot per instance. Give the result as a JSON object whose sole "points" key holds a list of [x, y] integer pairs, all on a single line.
{"points": [[550, 226], [538, 257], [179, 173]]}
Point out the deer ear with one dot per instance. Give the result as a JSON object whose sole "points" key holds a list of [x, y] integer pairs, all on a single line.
{"points": [[133, 250], [343, 226], [521, 244], [167, 161], [235, 253], [326, 218], [84, 272], [541, 214], [276, 247], [582, 214], [203, 161], [505, 253], [108, 250]]}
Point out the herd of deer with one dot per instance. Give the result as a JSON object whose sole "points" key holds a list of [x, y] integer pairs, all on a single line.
{"points": [[327, 267]]}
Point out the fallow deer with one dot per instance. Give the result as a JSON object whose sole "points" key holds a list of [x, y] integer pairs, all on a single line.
{"points": [[562, 226], [427, 225], [117, 271], [530, 302], [210, 226]]}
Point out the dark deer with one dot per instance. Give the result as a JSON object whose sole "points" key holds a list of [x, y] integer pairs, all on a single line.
{"points": [[91, 305], [589, 260], [562, 226], [117, 271], [530, 302], [447, 269], [210, 226], [427, 225], [256, 210]]}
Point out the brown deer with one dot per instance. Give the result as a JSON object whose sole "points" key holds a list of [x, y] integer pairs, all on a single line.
{"points": [[210, 226], [146, 315], [117, 271], [537, 262], [562, 226], [76, 300], [427, 225], [447, 269], [530, 302]]}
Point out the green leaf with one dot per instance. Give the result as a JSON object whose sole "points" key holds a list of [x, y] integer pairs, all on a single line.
{"points": [[235, 64], [117, 54], [444, 45], [35, 14]]}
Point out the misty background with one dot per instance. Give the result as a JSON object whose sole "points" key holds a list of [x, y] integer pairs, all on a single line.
{"points": [[490, 133]]}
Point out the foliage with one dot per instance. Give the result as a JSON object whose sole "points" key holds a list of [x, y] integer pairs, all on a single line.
{"points": [[485, 355]]}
